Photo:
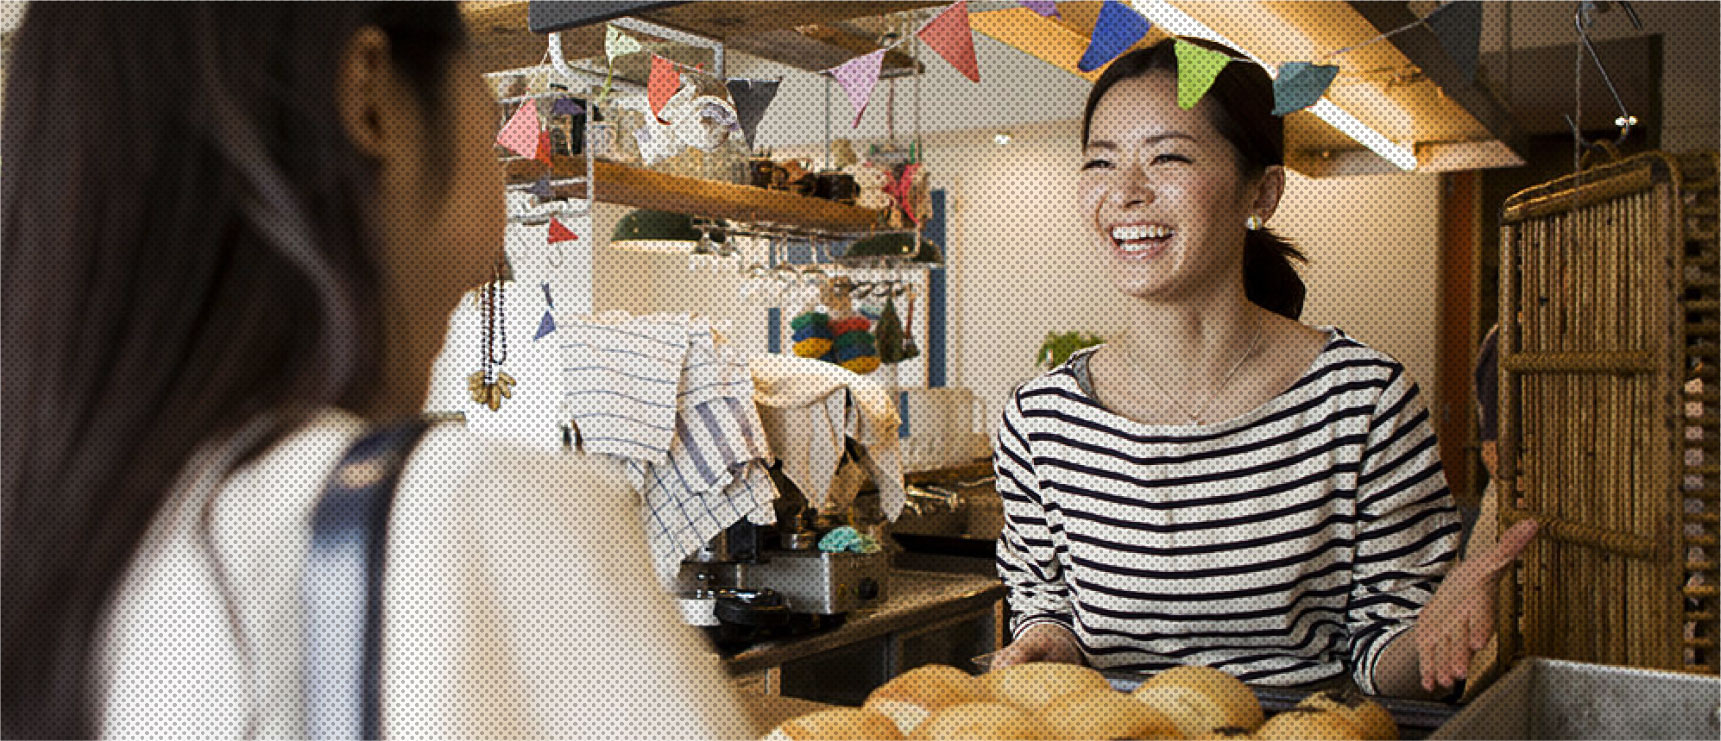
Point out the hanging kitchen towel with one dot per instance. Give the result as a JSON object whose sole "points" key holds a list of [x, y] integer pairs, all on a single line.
{"points": [[622, 375], [680, 518], [809, 408]]}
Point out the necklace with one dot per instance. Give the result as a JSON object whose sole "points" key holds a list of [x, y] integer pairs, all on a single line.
{"points": [[490, 385], [1201, 413]]}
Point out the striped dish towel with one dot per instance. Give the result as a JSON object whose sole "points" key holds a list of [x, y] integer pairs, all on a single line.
{"points": [[622, 376]]}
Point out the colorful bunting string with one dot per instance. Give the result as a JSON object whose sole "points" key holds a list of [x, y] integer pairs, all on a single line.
{"points": [[665, 80], [520, 134], [858, 77], [1300, 85], [1460, 33], [751, 98]]}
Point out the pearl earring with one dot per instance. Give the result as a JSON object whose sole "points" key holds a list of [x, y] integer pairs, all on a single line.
{"points": [[1253, 223]]}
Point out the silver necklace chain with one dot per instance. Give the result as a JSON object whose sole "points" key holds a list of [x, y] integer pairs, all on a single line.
{"points": [[1201, 413]]}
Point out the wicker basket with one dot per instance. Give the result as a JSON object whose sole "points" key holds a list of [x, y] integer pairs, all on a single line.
{"points": [[1608, 399]]}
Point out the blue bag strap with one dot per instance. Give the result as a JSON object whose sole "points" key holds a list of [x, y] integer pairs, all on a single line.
{"points": [[342, 585]]}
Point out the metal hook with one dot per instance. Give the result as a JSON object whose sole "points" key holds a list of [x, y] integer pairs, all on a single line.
{"points": [[1582, 20]]}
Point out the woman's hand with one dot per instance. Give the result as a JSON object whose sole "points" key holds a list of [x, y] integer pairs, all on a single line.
{"points": [[1459, 619], [1043, 642]]}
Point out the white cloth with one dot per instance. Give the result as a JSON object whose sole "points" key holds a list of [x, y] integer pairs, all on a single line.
{"points": [[514, 605], [808, 407], [622, 375]]}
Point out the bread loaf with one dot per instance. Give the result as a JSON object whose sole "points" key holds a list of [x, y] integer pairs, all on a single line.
{"points": [[978, 720], [1033, 686], [913, 695], [1105, 714], [1199, 700], [1369, 717], [835, 724]]}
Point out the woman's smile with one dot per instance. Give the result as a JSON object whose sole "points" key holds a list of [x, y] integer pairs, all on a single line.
{"points": [[1141, 240]]}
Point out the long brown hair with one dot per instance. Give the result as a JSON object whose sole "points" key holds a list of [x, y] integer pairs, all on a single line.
{"points": [[1244, 116], [187, 248]]}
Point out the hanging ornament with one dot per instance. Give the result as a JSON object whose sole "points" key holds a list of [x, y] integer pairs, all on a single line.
{"points": [[1197, 68], [950, 35], [1300, 85], [1117, 29], [520, 134], [547, 324], [490, 385], [858, 77]]}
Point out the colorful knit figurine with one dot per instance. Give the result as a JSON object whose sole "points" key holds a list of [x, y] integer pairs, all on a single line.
{"points": [[812, 335]]}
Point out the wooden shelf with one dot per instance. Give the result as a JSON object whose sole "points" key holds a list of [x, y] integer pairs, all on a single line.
{"points": [[632, 186]]}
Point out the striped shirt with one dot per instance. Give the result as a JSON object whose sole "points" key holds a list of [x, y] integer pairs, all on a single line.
{"points": [[1284, 546]]}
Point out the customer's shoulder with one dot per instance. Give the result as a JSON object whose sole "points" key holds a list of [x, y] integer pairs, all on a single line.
{"points": [[1348, 357], [450, 452]]}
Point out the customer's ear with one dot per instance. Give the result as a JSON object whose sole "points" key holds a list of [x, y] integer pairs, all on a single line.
{"points": [[362, 90]]}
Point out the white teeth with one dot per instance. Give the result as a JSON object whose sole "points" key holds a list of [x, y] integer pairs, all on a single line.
{"points": [[1139, 232]]}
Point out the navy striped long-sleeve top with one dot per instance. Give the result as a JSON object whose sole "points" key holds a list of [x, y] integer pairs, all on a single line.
{"points": [[1285, 546]]}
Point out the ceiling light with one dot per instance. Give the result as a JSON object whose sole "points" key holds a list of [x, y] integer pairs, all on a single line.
{"points": [[1175, 21], [1001, 138]]}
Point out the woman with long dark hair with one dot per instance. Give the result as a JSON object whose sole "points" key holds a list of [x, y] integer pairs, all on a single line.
{"points": [[233, 232], [1225, 486]]}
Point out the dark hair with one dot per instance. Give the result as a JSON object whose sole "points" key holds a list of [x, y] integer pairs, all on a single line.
{"points": [[1244, 116], [188, 250]]}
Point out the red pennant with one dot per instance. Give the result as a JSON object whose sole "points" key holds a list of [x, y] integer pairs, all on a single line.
{"points": [[950, 36], [543, 154], [559, 233], [665, 80]]}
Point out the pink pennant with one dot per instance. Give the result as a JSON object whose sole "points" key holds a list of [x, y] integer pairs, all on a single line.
{"points": [[543, 153], [520, 135], [665, 80], [560, 233], [950, 36], [858, 76]]}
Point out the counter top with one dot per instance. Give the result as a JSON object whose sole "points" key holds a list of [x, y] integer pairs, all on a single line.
{"points": [[912, 599]]}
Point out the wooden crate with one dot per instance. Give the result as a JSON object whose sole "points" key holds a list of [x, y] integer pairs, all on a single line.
{"points": [[1608, 408]]}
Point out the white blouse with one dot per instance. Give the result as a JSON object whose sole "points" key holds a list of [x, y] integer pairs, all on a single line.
{"points": [[519, 602]]}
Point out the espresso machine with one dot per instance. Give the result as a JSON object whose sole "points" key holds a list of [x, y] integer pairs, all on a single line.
{"points": [[753, 582]]}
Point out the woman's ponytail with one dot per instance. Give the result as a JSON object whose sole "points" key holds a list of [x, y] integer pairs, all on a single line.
{"points": [[1269, 279]]}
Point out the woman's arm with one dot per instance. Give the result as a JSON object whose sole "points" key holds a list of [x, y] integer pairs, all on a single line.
{"points": [[1027, 559], [1406, 539]]}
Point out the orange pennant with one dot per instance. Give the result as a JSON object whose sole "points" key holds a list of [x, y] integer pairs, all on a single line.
{"points": [[543, 153], [665, 80]]}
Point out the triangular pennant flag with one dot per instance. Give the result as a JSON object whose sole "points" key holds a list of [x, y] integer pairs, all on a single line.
{"points": [[1300, 85], [1117, 29], [545, 326], [1047, 8], [543, 153], [567, 107], [548, 301], [542, 188], [520, 134], [1197, 68], [1458, 25], [560, 233], [618, 44], [949, 35], [665, 80], [751, 98], [858, 76]]}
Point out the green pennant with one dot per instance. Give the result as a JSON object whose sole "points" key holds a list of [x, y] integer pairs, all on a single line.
{"points": [[1197, 68]]}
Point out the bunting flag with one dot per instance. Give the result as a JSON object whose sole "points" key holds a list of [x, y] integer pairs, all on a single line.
{"points": [[561, 233], [1196, 70], [1300, 85], [545, 326], [542, 188], [1117, 29], [1046, 8], [567, 107], [665, 80], [1458, 25], [858, 76], [617, 44], [751, 98], [520, 134], [543, 151], [950, 36]]}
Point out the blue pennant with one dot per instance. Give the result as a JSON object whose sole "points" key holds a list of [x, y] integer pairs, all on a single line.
{"points": [[545, 326], [1117, 29]]}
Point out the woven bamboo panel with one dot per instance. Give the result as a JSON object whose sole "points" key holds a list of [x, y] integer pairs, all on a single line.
{"points": [[1608, 400]]}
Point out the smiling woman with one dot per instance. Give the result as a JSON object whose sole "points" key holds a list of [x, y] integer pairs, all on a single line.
{"points": [[1225, 486]]}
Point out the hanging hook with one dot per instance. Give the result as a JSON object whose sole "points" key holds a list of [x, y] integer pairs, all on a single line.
{"points": [[1581, 18]]}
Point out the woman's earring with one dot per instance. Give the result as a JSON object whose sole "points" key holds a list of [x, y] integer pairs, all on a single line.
{"points": [[1253, 223]]}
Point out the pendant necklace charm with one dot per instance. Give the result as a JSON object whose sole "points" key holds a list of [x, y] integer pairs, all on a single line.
{"points": [[490, 385]]}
